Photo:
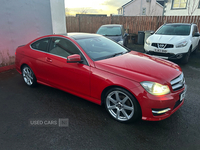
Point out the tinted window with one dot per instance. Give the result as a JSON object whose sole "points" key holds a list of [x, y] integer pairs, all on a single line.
{"points": [[63, 47], [174, 30], [194, 30], [98, 48], [112, 31], [41, 44]]}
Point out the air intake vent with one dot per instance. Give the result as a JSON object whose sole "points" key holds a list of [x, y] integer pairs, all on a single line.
{"points": [[178, 82]]}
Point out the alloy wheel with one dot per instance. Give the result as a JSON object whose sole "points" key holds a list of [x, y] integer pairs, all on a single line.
{"points": [[120, 105], [27, 75]]}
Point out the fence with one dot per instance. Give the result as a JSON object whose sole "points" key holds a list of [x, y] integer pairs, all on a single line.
{"points": [[90, 24]]}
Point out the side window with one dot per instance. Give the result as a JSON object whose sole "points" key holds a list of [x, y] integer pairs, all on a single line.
{"points": [[41, 44], [194, 30], [62, 47]]}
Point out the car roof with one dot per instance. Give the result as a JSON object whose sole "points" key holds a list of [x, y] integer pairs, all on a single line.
{"points": [[79, 35], [111, 25], [178, 24]]}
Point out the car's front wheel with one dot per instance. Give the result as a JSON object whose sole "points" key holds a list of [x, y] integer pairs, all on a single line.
{"points": [[186, 56], [121, 105], [28, 76]]}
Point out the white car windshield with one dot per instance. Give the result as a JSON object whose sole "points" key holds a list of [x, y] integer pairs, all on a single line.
{"points": [[98, 48], [174, 30]]}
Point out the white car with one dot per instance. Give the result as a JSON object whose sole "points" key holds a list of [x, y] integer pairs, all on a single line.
{"points": [[173, 41]]}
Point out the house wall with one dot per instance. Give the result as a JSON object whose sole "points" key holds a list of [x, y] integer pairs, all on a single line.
{"points": [[58, 16], [152, 8], [22, 21], [168, 11]]}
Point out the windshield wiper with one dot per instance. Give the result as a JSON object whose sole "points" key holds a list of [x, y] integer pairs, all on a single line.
{"points": [[119, 53], [116, 54]]}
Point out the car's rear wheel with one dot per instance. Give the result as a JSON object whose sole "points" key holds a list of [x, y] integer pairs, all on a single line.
{"points": [[186, 57], [28, 76], [121, 105]]}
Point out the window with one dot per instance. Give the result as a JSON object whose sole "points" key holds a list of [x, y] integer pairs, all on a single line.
{"points": [[109, 31], [199, 4], [195, 30], [174, 30], [179, 4], [63, 47], [41, 44], [98, 48], [143, 11]]}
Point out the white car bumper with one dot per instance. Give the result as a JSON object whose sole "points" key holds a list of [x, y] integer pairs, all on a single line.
{"points": [[167, 53]]}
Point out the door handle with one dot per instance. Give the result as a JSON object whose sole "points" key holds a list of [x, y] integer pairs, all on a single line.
{"points": [[48, 59]]}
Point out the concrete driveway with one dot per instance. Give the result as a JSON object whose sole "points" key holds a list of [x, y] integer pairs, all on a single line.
{"points": [[89, 125]]}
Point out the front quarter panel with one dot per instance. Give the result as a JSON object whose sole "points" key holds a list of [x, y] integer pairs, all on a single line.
{"points": [[101, 79]]}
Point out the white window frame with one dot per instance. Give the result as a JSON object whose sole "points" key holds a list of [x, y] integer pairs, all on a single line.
{"points": [[179, 5]]}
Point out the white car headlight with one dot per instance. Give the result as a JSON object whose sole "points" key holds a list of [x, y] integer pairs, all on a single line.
{"points": [[182, 44], [147, 42], [120, 42], [155, 88]]}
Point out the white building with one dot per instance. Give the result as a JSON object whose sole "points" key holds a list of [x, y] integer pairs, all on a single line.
{"points": [[24, 20], [142, 8], [182, 8]]}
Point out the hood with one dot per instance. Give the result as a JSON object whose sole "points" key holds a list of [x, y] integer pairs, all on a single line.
{"points": [[168, 39], [114, 38], [140, 67]]}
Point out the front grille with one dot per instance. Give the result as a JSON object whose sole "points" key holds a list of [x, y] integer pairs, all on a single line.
{"points": [[161, 54], [178, 82], [160, 45]]}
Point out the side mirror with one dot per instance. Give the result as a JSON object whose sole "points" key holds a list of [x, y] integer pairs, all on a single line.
{"points": [[74, 58], [152, 32], [196, 34]]}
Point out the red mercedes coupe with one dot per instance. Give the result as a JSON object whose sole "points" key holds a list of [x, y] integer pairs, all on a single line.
{"points": [[130, 84]]}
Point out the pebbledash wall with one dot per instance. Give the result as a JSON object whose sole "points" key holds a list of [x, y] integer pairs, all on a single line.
{"points": [[24, 20]]}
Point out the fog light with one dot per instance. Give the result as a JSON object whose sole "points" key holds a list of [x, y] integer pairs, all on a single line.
{"points": [[179, 56], [157, 112]]}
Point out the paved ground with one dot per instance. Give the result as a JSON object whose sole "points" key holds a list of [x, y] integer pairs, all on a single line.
{"points": [[90, 126]]}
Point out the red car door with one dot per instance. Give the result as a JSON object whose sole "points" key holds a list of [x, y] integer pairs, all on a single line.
{"points": [[37, 57], [71, 76]]}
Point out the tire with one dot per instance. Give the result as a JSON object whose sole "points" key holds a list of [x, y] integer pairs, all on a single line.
{"points": [[186, 57], [121, 105], [198, 46], [28, 76]]}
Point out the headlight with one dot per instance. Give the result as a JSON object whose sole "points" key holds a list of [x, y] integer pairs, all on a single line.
{"points": [[155, 88], [120, 42], [147, 42], [182, 44]]}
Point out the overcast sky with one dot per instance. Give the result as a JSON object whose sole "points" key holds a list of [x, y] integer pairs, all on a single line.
{"points": [[94, 6]]}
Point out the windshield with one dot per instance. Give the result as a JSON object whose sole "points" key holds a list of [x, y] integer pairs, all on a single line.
{"points": [[174, 30], [110, 31], [98, 48]]}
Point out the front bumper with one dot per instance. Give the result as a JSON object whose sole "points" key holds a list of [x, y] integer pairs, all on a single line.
{"points": [[155, 108], [170, 53]]}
